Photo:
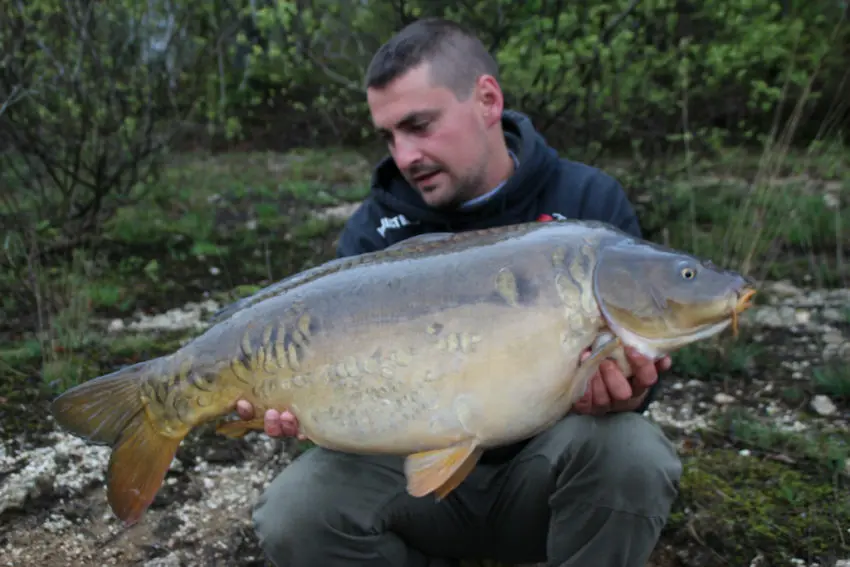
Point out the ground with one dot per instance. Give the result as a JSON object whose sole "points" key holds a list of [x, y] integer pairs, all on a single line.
{"points": [[759, 420]]}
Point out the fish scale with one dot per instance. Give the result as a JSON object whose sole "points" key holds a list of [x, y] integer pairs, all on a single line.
{"points": [[434, 349]]}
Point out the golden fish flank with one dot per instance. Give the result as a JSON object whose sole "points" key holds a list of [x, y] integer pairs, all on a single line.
{"points": [[433, 349]]}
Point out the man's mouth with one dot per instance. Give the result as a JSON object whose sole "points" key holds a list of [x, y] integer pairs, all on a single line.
{"points": [[424, 178]]}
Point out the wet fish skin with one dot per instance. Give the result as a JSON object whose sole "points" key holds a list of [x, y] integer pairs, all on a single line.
{"points": [[436, 348]]}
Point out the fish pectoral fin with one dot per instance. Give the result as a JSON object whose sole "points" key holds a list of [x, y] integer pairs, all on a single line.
{"points": [[236, 428], [589, 367], [442, 470], [618, 355]]}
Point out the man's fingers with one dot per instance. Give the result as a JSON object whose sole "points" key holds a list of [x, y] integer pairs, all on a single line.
{"points": [[609, 389], [288, 424], [271, 423], [646, 376], [585, 403], [277, 424], [616, 385], [644, 369], [244, 409], [601, 399]]}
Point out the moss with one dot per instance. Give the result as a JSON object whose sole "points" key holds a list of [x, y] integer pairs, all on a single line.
{"points": [[742, 506]]}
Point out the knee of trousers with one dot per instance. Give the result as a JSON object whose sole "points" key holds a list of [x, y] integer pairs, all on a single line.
{"points": [[621, 461], [319, 498]]}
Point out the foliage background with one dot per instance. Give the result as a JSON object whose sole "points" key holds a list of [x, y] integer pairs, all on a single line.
{"points": [[96, 93]]}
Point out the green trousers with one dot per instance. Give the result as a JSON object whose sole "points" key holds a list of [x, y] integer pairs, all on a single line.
{"points": [[590, 491]]}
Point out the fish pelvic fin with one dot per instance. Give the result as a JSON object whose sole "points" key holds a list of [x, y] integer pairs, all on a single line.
{"points": [[442, 470], [111, 410], [236, 428]]}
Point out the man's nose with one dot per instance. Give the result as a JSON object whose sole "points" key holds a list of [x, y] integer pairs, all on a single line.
{"points": [[406, 153]]}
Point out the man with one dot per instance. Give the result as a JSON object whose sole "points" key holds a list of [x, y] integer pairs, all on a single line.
{"points": [[595, 489]]}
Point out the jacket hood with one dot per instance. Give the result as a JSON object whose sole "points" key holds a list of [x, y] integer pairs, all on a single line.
{"points": [[537, 163]]}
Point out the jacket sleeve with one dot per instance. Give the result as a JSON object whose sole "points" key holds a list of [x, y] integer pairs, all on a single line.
{"points": [[610, 204], [360, 234]]}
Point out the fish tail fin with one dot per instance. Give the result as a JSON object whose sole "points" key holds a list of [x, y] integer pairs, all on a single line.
{"points": [[110, 410]]}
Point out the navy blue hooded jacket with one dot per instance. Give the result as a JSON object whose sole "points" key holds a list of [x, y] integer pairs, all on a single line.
{"points": [[542, 184]]}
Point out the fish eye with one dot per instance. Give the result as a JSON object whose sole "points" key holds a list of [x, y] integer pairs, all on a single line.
{"points": [[689, 273]]}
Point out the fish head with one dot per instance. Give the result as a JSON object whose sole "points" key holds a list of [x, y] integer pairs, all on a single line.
{"points": [[658, 300]]}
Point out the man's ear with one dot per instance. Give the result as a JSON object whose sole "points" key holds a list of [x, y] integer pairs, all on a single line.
{"points": [[490, 100]]}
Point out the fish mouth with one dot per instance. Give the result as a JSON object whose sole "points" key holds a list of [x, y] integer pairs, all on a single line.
{"points": [[742, 304]]}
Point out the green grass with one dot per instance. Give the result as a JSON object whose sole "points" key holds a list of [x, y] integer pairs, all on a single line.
{"points": [[795, 217], [833, 380], [718, 359], [245, 217]]}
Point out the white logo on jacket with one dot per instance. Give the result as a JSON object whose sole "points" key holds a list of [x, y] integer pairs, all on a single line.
{"points": [[397, 221]]}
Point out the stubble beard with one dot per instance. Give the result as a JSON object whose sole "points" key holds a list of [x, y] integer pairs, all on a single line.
{"points": [[460, 191]]}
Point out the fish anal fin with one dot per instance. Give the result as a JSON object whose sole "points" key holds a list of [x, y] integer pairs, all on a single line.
{"points": [[442, 470]]}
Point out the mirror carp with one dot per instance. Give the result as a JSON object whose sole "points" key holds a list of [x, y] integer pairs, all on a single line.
{"points": [[434, 349]]}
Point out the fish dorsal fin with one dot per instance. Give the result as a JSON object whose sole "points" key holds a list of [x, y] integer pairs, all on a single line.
{"points": [[329, 267], [422, 243], [419, 240], [284, 285]]}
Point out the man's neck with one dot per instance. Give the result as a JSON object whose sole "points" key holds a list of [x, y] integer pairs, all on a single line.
{"points": [[501, 170], [490, 190]]}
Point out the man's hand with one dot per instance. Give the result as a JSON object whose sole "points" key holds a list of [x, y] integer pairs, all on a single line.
{"points": [[609, 390], [275, 423]]}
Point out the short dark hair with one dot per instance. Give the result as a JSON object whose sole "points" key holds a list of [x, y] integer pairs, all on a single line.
{"points": [[457, 56]]}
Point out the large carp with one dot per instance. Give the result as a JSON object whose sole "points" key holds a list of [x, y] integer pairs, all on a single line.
{"points": [[436, 348]]}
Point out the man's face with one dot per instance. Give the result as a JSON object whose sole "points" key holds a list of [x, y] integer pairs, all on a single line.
{"points": [[440, 144]]}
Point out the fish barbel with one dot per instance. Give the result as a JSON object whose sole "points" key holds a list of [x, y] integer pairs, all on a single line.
{"points": [[434, 349]]}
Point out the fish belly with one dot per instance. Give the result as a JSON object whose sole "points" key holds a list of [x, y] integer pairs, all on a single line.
{"points": [[410, 388]]}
